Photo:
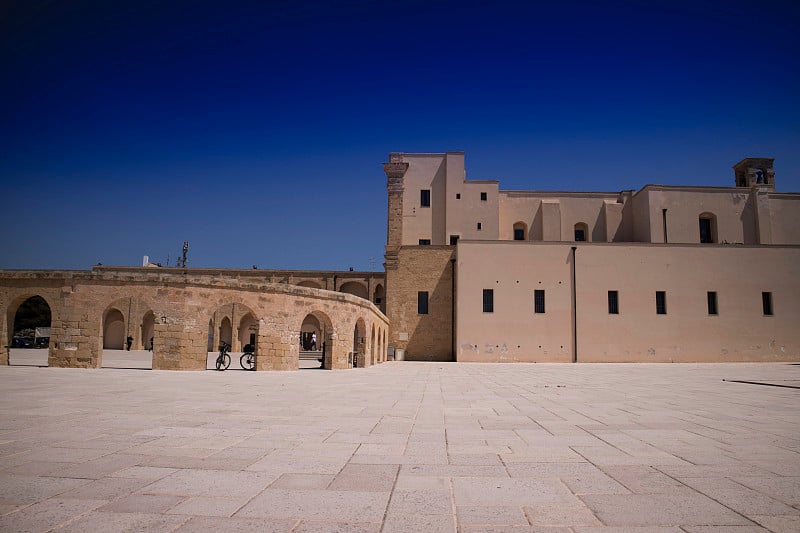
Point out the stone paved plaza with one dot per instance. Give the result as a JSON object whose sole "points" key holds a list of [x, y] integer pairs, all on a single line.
{"points": [[409, 447]]}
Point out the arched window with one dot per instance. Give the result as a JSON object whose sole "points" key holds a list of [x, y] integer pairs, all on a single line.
{"points": [[708, 228], [581, 231], [520, 231]]}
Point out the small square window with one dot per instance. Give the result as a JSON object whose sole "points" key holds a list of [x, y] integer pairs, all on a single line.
{"points": [[483, 197], [458, 196], [519, 234], [422, 303], [425, 198], [661, 302], [766, 303], [479, 226], [453, 240], [424, 242], [538, 301], [580, 235], [488, 300], [613, 302], [712, 302]]}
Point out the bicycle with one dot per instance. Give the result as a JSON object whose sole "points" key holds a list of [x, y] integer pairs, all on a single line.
{"points": [[248, 358], [223, 359]]}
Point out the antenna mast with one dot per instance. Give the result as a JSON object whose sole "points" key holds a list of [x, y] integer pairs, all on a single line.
{"points": [[182, 260]]}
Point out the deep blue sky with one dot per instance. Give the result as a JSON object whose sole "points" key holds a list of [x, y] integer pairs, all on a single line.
{"points": [[256, 130]]}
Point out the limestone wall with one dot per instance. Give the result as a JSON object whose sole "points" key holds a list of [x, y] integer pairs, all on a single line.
{"points": [[187, 307], [425, 337]]}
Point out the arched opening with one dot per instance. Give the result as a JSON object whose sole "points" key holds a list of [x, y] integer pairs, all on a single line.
{"points": [[355, 288], [310, 284], [29, 322], [148, 330], [226, 331], [316, 341], [248, 331], [359, 344], [128, 332], [113, 330], [379, 298], [581, 232], [708, 228], [520, 231], [310, 334], [383, 346], [372, 346], [236, 325]]}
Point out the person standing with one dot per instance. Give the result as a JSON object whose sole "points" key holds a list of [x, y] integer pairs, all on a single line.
{"points": [[314, 341]]}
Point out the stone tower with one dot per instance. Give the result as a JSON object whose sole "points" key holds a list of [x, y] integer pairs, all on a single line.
{"points": [[755, 172]]}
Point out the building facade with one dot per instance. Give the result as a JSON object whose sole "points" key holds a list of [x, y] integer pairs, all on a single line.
{"points": [[666, 273], [472, 273]]}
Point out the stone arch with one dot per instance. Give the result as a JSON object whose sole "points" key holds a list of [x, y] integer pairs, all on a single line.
{"points": [[148, 330], [29, 311], [128, 317], [581, 232], [248, 330], [309, 283], [520, 231], [379, 297], [372, 346], [359, 342], [114, 330], [356, 288], [326, 337], [225, 331], [310, 334], [235, 324], [708, 227]]}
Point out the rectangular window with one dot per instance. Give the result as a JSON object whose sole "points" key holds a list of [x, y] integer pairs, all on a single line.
{"points": [[479, 226], [458, 196], [712, 303], [766, 303], [661, 302], [425, 198], [422, 303], [424, 242], [519, 234], [483, 197], [488, 300], [580, 235], [538, 301], [453, 240], [613, 302]]}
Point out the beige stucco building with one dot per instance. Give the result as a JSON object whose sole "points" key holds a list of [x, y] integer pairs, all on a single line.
{"points": [[666, 273]]}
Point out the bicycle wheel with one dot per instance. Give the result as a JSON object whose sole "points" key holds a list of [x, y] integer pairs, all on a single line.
{"points": [[247, 361], [223, 362]]}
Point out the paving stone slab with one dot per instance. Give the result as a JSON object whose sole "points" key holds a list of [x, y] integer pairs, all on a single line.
{"points": [[110, 521], [333, 505], [47, 514], [688, 508], [30, 489], [491, 516]]}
